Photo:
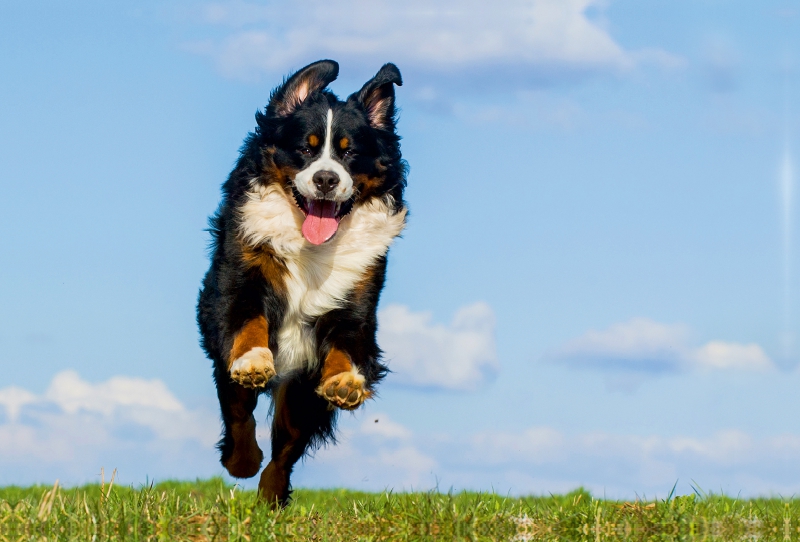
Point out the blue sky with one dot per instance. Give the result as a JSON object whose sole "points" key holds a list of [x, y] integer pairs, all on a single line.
{"points": [[597, 285]]}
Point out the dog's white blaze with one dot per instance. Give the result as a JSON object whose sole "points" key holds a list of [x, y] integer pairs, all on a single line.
{"points": [[304, 180], [319, 276]]}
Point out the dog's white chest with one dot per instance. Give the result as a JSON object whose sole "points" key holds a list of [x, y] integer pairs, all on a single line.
{"points": [[319, 277]]}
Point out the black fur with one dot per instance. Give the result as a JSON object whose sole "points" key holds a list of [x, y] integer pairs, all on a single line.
{"points": [[234, 292]]}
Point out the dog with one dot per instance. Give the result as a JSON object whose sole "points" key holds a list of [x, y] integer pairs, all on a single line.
{"points": [[298, 261]]}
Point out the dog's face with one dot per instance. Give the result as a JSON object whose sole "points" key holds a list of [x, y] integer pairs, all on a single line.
{"points": [[329, 154]]}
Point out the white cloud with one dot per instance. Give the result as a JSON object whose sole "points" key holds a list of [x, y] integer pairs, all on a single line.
{"points": [[13, 399], [421, 353], [76, 427], [380, 425], [540, 40], [533, 445], [370, 456], [642, 346], [72, 394], [637, 345], [722, 355]]}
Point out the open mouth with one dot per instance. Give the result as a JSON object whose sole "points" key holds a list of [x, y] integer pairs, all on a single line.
{"points": [[322, 217]]}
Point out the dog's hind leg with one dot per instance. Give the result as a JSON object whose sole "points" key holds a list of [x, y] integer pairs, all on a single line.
{"points": [[301, 419], [241, 455], [235, 334]]}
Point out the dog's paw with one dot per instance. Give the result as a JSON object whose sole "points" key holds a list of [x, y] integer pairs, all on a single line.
{"points": [[254, 369], [345, 390], [241, 455]]}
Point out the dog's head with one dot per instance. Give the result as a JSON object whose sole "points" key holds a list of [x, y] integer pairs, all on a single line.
{"points": [[331, 155]]}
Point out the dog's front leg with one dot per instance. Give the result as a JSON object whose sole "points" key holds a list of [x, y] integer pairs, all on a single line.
{"points": [[235, 330], [342, 384], [350, 365], [250, 361]]}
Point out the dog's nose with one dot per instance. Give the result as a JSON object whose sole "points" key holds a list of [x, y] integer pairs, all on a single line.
{"points": [[325, 181]]}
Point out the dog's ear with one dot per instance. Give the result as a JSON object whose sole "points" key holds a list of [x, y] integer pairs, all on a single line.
{"points": [[299, 86], [377, 97]]}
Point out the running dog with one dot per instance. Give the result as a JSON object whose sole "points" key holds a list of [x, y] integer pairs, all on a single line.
{"points": [[298, 261]]}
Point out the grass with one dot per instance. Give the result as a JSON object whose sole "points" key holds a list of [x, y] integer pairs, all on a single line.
{"points": [[211, 510]]}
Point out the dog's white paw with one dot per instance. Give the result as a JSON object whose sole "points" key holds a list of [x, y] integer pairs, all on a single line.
{"points": [[253, 369], [345, 390]]}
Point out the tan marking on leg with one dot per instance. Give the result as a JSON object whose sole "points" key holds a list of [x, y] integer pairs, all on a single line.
{"points": [[336, 362], [250, 362], [253, 334], [341, 383]]}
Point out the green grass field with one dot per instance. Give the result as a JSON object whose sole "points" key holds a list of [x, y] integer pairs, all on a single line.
{"points": [[211, 510]]}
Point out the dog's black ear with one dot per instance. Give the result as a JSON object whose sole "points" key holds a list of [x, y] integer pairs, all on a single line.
{"points": [[377, 97], [294, 90]]}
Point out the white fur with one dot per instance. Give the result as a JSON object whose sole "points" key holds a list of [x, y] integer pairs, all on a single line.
{"points": [[354, 373], [357, 376], [319, 276], [253, 360], [304, 180]]}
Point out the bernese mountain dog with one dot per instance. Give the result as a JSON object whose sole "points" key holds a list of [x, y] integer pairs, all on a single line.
{"points": [[298, 261]]}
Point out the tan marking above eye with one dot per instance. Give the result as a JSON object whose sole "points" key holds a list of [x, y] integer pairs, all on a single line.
{"points": [[313, 140], [343, 143]]}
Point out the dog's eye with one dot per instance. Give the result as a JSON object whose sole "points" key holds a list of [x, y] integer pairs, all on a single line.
{"points": [[305, 151], [347, 153]]}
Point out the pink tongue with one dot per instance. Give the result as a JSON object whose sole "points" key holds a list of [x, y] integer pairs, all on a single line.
{"points": [[320, 223]]}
